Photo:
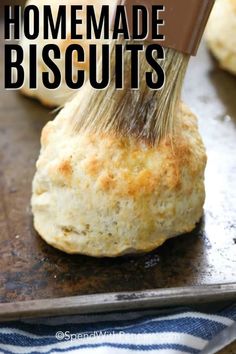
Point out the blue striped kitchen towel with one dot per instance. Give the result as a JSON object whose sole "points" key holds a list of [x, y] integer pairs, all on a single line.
{"points": [[162, 332]]}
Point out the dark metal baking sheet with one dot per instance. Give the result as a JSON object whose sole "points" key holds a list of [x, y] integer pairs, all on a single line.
{"points": [[184, 269]]}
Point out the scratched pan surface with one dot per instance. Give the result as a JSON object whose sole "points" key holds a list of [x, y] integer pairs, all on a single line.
{"points": [[32, 270]]}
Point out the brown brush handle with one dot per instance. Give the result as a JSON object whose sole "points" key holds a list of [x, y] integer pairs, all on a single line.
{"points": [[184, 21]]}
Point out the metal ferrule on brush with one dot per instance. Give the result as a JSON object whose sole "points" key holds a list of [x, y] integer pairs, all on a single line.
{"points": [[183, 21]]}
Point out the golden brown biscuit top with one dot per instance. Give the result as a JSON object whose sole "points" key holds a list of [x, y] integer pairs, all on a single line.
{"points": [[124, 166]]}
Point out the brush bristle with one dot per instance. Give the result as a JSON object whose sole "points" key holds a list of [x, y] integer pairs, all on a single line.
{"points": [[144, 113]]}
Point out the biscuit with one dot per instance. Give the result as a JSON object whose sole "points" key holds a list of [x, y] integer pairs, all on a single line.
{"points": [[109, 196], [221, 34], [58, 97]]}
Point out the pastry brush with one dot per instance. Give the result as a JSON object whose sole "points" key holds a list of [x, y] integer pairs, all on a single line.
{"points": [[145, 113]]}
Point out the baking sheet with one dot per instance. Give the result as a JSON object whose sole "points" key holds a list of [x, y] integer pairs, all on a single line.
{"points": [[184, 269]]}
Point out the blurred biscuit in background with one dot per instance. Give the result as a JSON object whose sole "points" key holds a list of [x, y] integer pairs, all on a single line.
{"points": [[221, 34], [58, 97]]}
